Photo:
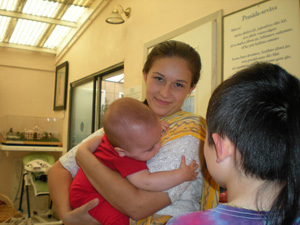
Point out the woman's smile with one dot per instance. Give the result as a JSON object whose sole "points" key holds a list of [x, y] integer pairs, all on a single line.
{"points": [[168, 83], [162, 102]]}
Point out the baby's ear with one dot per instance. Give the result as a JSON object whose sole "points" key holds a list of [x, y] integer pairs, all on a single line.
{"points": [[120, 151], [223, 147]]}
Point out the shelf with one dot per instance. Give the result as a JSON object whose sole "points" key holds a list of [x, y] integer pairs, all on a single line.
{"points": [[30, 148]]}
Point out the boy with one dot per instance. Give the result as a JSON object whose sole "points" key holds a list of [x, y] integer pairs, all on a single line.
{"points": [[252, 148]]}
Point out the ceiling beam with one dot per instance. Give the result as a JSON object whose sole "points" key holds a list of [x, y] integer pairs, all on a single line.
{"points": [[10, 29], [31, 48], [38, 18]]}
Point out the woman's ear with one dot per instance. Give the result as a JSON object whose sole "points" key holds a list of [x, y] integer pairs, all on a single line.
{"points": [[120, 151], [145, 76], [223, 147], [192, 88]]}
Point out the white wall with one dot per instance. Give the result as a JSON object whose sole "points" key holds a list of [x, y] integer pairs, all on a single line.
{"points": [[103, 45], [27, 78]]}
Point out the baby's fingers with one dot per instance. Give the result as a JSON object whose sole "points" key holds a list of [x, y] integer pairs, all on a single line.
{"points": [[165, 127], [195, 176], [194, 165]]}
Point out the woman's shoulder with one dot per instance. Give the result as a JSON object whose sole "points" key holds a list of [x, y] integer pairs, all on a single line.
{"points": [[186, 120], [185, 123], [183, 116]]}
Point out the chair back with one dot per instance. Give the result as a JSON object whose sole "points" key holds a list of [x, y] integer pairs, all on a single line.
{"points": [[39, 156]]}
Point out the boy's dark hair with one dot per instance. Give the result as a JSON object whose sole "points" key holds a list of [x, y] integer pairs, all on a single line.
{"points": [[258, 109]]}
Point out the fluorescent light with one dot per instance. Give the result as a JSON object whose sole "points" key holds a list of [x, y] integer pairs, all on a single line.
{"points": [[73, 13], [18, 29], [9, 5], [41, 8], [52, 9], [27, 32], [56, 36]]}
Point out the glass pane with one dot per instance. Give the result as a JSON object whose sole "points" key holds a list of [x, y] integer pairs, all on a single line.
{"points": [[189, 104], [81, 113], [112, 89], [97, 104]]}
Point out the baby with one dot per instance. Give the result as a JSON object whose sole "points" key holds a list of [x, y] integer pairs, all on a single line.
{"points": [[132, 136]]}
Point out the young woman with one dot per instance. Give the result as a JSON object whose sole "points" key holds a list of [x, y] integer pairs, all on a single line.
{"points": [[252, 148], [171, 73]]}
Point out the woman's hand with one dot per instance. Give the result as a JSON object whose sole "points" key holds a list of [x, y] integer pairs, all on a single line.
{"points": [[81, 215], [59, 181]]}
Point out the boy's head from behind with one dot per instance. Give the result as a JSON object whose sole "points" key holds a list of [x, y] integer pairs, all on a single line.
{"points": [[132, 128], [258, 110]]}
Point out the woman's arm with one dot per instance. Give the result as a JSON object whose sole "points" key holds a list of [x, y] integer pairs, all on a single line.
{"points": [[59, 191], [60, 177], [59, 181], [119, 192]]}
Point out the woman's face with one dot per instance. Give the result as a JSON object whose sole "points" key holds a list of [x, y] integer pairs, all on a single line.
{"points": [[168, 82]]}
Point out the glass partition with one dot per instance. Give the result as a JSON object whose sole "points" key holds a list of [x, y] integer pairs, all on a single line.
{"points": [[90, 97], [81, 112]]}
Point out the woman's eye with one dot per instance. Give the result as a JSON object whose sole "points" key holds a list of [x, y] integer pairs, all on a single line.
{"points": [[178, 85], [159, 78]]}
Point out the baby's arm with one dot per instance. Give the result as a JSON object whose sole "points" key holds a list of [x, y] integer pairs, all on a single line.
{"points": [[164, 180]]}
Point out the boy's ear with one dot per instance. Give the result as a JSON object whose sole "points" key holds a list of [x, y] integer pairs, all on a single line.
{"points": [[223, 147], [120, 151]]}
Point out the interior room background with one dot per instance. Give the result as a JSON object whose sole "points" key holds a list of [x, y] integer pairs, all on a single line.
{"points": [[27, 77]]}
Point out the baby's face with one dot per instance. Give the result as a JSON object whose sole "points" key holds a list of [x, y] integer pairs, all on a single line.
{"points": [[147, 144]]}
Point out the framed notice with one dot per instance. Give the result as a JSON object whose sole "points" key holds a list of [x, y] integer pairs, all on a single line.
{"points": [[268, 32], [61, 81]]}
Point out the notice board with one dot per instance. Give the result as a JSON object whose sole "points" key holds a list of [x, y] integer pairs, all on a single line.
{"points": [[268, 31]]}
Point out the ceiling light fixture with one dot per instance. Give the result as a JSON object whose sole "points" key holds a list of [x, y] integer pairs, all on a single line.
{"points": [[116, 18]]}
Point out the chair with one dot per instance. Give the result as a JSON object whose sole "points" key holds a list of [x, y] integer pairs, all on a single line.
{"points": [[36, 166]]}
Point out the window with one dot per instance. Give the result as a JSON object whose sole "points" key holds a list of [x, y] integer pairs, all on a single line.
{"points": [[89, 100]]}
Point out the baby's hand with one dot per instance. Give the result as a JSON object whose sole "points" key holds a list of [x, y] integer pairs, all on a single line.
{"points": [[164, 126], [188, 171]]}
